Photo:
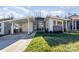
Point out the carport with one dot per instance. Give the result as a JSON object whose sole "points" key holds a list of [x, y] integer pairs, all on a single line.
{"points": [[25, 25]]}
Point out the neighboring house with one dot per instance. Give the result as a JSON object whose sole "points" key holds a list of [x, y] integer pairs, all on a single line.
{"points": [[74, 22], [5, 26], [39, 24]]}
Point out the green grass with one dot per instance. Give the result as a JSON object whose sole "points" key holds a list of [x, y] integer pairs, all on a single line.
{"points": [[54, 42]]}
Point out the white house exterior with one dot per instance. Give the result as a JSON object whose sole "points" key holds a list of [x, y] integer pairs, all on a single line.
{"points": [[54, 24], [39, 24]]}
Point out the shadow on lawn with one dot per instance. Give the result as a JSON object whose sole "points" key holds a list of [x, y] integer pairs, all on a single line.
{"points": [[55, 39]]}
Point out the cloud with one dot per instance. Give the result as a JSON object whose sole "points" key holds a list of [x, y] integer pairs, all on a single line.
{"points": [[58, 12], [17, 11], [42, 13], [26, 10], [68, 7], [16, 14], [20, 10]]}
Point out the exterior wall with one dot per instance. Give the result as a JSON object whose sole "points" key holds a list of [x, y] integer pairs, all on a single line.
{"points": [[53, 25], [7, 27], [50, 25], [31, 27], [24, 27], [68, 26], [2, 29]]}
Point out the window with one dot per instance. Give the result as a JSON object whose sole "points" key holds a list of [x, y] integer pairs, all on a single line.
{"points": [[59, 22]]}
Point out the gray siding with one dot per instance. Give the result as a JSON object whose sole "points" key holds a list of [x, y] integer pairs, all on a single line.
{"points": [[7, 27]]}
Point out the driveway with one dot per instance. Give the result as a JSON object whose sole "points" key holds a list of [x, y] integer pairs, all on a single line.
{"points": [[8, 40]]}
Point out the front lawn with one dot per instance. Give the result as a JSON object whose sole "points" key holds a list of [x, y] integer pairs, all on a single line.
{"points": [[54, 42]]}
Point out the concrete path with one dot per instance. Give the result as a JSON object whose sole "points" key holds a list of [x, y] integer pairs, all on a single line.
{"points": [[15, 43], [18, 46]]}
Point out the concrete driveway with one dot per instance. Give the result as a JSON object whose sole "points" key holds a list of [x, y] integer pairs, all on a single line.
{"points": [[9, 40]]}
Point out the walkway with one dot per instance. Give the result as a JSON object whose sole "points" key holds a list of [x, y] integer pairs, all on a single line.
{"points": [[14, 43]]}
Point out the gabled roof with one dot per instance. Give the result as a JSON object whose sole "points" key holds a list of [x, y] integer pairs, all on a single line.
{"points": [[4, 19], [55, 17], [74, 17], [24, 19]]}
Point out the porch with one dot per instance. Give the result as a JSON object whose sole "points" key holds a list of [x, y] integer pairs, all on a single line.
{"points": [[25, 25], [72, 25], [49, 25]]}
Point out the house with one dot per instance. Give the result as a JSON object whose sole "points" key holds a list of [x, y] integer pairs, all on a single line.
{"points": [[54, 24], [5, 26], [39, 24], [72, 23], [49, 24], [26, 25]]}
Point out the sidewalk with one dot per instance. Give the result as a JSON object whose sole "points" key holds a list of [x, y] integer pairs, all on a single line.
{"points": [[19, 45]]}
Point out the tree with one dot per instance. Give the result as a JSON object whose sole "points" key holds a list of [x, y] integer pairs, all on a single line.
{"points": [[75, 14]]}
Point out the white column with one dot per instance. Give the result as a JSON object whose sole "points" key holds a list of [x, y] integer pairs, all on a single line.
{"points": [[56, 22], [50, 25], [75, 26], [12, 28], [62, 26], [66, 26], [28, 27], [72, 25]]}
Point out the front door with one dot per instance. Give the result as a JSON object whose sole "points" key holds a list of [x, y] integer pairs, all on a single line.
{"points": [[40, 27], [40, 24]]}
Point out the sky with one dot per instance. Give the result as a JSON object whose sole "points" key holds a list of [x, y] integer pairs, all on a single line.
{"points": [[23, 11], [58, 10]]}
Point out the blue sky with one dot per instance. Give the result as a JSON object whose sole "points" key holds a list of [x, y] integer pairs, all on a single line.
{"points": [[22, 11], [58, 10]]}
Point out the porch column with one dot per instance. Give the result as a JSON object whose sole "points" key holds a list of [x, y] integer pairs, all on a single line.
{"points": [[62, 26], [66, 26], [50, 25], [75, 25], [56, 22], [12, 28], [28, 27], [72, 25]]}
